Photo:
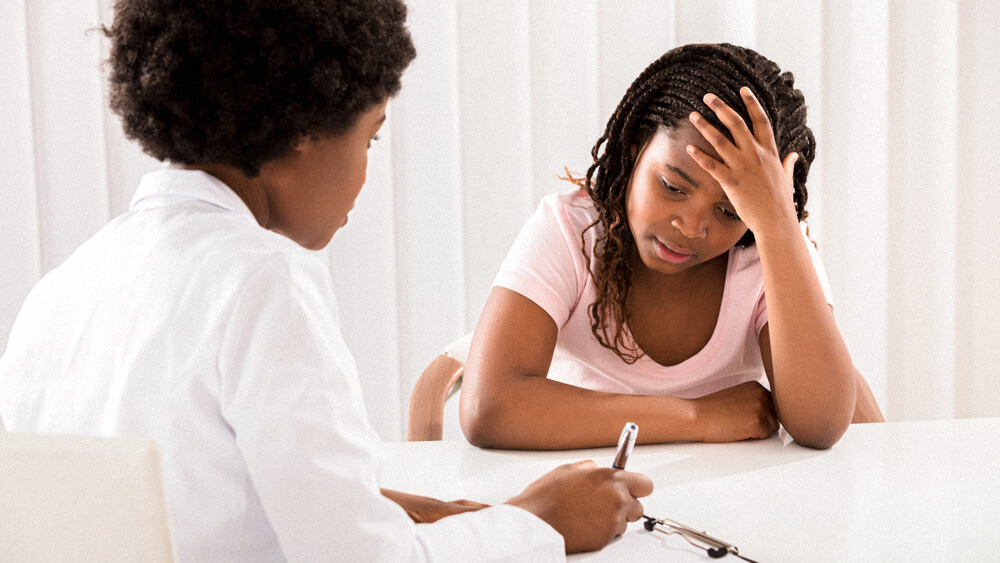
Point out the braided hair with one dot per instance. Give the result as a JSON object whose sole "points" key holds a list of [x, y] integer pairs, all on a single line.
{"points": [[665, 94]]}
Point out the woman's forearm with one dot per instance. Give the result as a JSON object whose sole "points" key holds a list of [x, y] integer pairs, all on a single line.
{"points": [[508, 401], [866, 408], [534, 412], [813, 378]]}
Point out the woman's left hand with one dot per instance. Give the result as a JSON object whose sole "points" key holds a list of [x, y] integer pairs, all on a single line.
{"points": [[751, 172]]}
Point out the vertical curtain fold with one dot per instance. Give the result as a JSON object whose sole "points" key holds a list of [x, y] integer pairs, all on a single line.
{"points": [[923, 101], [496, 146], [855, 94], [977, 387], [20, 246], [64, 54]]}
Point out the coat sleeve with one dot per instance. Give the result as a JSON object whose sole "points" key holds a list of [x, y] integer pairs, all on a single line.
{"points": [[290, 393]]}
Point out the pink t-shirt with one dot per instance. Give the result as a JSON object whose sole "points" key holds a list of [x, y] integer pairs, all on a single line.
{"points": [[547, 266]]}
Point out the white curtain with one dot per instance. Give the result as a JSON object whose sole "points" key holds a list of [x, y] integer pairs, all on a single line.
{"points": [[505, 93]]}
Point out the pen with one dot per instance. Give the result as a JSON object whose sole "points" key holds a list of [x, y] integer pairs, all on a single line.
{"points": [[625, 444]]}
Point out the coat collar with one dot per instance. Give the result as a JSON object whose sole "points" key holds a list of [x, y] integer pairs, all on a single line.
{"points": [[167, 185]]}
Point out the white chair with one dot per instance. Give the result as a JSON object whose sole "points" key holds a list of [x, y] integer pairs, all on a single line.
{"points": [[440, 381], [82, 498]]}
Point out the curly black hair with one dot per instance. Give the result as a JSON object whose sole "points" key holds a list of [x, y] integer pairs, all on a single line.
{"points": [[239, 82], [664, 95]]}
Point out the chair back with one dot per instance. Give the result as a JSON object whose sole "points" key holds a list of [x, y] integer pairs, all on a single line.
{"points": [[440, 381], [82, 498]]}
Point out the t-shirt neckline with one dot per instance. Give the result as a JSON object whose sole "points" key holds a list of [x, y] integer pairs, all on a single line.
{"points": [[706, 353]]}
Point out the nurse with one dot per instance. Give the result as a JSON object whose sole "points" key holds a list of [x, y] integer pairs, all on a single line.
{"points": [[201, 319]]}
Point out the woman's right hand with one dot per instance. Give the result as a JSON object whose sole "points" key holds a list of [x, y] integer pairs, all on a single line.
{"points": [[738, 413]]}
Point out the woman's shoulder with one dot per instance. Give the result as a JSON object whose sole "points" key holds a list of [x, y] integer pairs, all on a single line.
{"points": [[575, 200], [572, 210]]}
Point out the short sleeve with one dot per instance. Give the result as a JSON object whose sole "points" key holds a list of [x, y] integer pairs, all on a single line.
{"points": [[760, 309], [546, 263]]}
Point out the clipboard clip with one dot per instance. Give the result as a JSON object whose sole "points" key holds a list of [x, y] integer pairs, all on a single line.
{"points": [[715, 547]]}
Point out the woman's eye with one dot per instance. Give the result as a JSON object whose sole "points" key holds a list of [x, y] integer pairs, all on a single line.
{"points": [[729, 214], [670, 188], [373, 139]]}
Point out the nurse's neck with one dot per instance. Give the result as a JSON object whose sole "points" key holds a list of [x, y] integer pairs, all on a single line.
{"points": [[252, 191]]}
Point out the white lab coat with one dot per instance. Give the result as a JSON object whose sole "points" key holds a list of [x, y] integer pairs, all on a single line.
{"points": [[185, 321]]}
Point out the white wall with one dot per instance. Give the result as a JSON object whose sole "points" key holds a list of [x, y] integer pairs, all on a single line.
{"points": [[505, 93]]}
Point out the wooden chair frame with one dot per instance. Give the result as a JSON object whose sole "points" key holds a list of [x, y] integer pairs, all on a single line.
{"points": [[441, 380]]}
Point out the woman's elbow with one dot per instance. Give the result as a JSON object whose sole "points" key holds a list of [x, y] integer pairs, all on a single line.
{"points": [[821, 421], [818, 435], [477, 431], [478, 419]]}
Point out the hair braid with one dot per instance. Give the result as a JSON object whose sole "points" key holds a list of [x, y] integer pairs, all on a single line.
{"points": [[664, 94]]}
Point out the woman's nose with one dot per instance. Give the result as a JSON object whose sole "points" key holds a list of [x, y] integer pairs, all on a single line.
{"points": [[691, 225]]}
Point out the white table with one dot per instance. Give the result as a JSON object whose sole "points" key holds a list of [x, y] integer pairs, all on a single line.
{"points": [[904, 491]]}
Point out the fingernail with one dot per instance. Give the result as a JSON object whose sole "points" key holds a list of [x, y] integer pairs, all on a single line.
{"points": [[711, 99], [695, 116]]}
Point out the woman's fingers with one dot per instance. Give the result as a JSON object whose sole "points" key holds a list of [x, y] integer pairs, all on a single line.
{"points": [[762, 133], [719, 142], [742, 136], [758, 117], [717, 169]]}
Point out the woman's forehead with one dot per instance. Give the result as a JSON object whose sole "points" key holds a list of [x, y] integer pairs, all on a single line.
{"points": [[671, 143]]}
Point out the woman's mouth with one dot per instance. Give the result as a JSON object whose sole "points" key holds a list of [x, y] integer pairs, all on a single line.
{"points": [[671, 255]]}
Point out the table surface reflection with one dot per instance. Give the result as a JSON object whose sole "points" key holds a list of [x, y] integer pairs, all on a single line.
{"points": [[903, 491]]}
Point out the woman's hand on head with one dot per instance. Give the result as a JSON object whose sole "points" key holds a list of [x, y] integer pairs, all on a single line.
{"points": [[751, 171]]}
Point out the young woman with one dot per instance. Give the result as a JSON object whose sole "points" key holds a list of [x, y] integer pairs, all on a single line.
{"points": [[677, 287], [200, 319]]}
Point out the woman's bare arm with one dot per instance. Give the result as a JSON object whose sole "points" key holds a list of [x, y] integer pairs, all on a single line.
{"points": [[810, 370], [507, 401], [806, 359], [866, 409]]}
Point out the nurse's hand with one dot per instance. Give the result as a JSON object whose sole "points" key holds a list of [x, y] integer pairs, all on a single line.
{"points": [[424, 510], [588, 505]]}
